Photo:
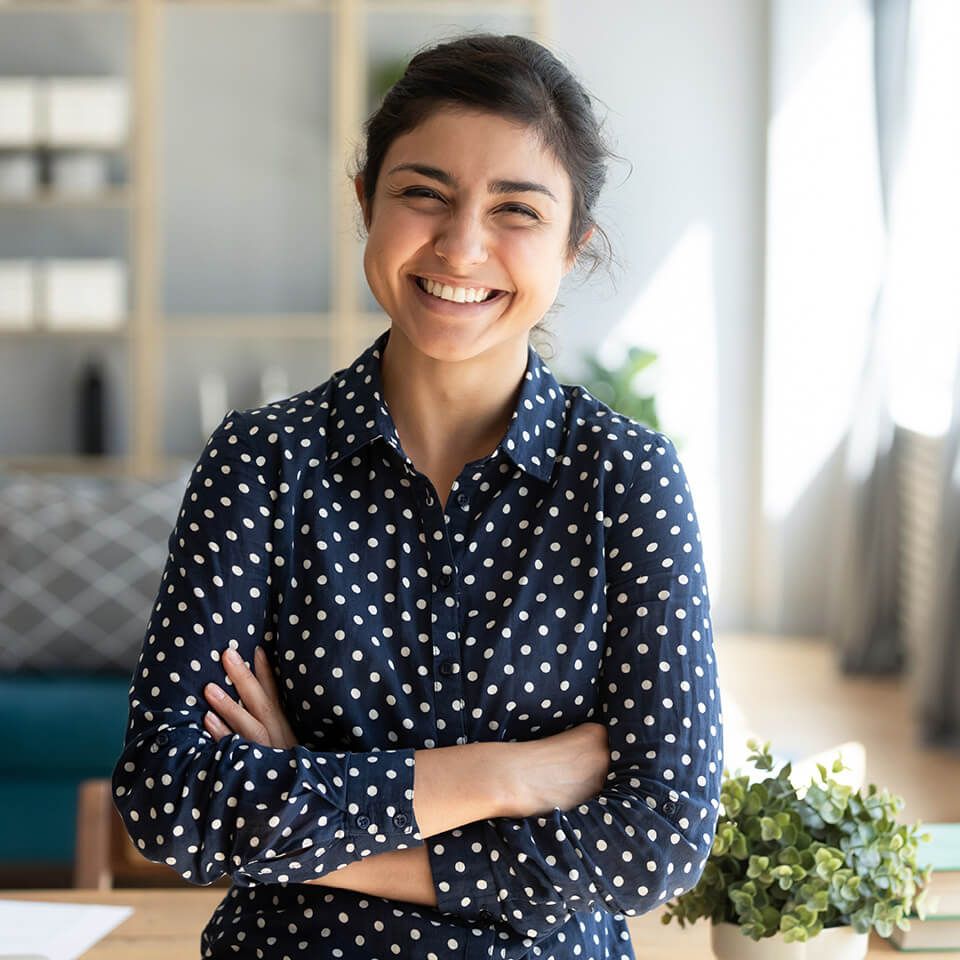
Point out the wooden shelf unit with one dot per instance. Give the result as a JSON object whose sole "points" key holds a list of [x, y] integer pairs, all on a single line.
{"points": [[345, 326]]}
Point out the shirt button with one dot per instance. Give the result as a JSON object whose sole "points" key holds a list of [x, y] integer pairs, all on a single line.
{"points": [[400, 820], [669, 807], [162, 739], [447, 667], [363, 821], [445, 579], [462, 499]]}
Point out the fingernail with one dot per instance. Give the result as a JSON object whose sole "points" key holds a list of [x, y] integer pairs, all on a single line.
{"points": [[259, 652], [215, 692], [231, 656]]}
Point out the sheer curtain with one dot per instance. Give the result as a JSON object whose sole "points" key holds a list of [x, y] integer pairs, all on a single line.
{"points": [[863, 609], [909, 397], [925, 338]]}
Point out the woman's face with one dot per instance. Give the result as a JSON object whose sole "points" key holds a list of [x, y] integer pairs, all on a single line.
{"points": [[469, 200]]}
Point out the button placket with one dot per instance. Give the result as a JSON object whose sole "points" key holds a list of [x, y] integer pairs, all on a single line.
{"points": [[446, 624]]}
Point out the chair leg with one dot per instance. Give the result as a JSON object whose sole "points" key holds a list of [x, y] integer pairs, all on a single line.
{"points": [[92, 860]]}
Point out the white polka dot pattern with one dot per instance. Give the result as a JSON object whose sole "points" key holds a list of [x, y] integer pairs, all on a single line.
{"points": [[562, 581]]}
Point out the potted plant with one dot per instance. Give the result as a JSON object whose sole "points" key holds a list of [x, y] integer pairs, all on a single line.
{"points": [[791, 864]]}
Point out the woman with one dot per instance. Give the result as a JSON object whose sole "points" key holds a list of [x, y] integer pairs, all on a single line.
{"points": [[482, 718]]}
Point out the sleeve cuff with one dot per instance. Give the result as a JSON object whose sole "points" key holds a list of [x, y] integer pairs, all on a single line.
{"points": [[379, 797], [462, 878]]}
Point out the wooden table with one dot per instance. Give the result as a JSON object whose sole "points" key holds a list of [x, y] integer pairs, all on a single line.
{"points": [[166, 925]]}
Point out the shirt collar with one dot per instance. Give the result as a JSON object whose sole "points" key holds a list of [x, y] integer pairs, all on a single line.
{"points": [[359, 414]]}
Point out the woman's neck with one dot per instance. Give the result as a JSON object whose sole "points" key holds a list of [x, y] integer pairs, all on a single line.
{"points": [[448, 413]]}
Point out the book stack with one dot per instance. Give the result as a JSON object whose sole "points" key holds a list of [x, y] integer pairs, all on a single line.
{"points": [[941, 928]]}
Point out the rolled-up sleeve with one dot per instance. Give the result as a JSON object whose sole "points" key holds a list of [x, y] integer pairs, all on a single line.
{"points": [[206, 808], [646, 836]]}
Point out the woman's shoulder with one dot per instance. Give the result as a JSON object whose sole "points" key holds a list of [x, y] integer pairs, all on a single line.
{"points": [[601, 434], [271, 435]]}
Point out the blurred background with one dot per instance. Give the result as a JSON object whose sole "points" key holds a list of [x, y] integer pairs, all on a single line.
{"points": [[178, 237]]}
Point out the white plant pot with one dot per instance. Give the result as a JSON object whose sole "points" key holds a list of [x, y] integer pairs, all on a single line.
{"points": [[834, 943]]}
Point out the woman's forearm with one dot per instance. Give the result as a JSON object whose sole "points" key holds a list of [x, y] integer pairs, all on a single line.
{"points": [[452, 786], [457, 785], [395, 874]]}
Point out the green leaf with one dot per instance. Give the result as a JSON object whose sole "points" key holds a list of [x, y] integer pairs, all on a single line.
{"points": [[771, 829]]}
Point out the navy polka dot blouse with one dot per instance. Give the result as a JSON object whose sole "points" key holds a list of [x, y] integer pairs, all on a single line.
{"points": [[562, 581]]}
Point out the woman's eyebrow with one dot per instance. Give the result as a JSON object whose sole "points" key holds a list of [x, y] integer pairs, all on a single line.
{"points": [[494, 186]]}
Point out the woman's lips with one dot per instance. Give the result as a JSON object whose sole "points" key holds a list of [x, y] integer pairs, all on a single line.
{"points": [[450, 308]]}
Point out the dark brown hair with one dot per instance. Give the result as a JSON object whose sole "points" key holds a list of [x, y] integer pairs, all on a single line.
{"points": [[514, 77]]}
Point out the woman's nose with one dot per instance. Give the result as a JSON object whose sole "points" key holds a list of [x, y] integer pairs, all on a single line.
{"points": [[461, 241]]}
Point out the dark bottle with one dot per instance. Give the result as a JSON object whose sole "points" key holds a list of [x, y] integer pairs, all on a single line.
{"points": [[91, 409]]}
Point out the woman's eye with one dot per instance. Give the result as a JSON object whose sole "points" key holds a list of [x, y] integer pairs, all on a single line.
{"points": [[420, 192], [427, 194], [520, 208]]}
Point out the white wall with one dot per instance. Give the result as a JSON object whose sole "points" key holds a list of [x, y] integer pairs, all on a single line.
{"points": [[685, 82]]}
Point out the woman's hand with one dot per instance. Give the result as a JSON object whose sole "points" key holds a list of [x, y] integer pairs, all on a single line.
{"points": [[261, 718], [561, 770]]}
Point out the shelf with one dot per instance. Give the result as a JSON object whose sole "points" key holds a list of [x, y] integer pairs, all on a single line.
{"points": [[122, 147], [90, 464], [120, 331], [73, 6], [292, 325], [112, 198], [285, 5], [448, 8], [249, 325]]}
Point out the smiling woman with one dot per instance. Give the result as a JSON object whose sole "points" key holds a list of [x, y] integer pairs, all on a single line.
{"points": [[430, 671]]}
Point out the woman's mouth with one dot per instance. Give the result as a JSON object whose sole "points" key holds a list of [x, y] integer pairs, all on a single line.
{"points": [[452, 300]]}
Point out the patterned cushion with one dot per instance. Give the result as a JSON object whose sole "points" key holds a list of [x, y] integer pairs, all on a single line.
{"points": [[80, 565]]}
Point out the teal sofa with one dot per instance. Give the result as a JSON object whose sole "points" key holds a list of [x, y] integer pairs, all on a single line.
{"points": [[59, 729]]}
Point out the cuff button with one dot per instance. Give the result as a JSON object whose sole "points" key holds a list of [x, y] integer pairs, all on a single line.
{"points": [[400, 820], [669, 807], [363, 821]]}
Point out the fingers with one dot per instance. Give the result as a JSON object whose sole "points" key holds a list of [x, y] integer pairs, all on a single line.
{"points": [[254, 697], [215, 726], [264, 674], [240, 720], [233, 717], [260, 718], [280, 727]]}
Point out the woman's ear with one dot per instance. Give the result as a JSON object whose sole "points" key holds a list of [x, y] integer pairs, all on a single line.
{"points": [[358, 186], [572, 258]]}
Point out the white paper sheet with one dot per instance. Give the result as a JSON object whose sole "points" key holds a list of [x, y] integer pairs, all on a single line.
{"points": [[41, 930]]}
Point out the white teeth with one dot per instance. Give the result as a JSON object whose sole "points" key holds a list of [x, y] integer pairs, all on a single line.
{"points": [[457, 294]]}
